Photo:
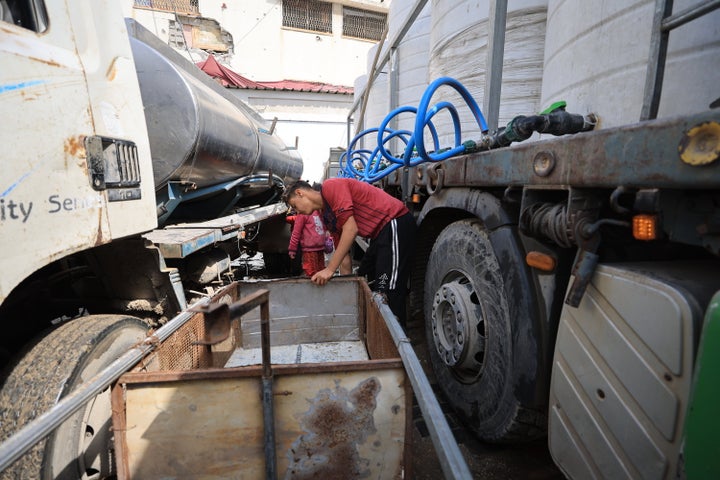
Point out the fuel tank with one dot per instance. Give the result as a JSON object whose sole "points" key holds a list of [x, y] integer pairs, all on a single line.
{"points": [[200, 135]]}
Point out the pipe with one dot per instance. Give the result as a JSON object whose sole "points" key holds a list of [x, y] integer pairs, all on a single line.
{"points": [[267, 390], [378, 163], [555, 123]]}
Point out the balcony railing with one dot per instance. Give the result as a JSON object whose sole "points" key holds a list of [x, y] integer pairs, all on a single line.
{"points": [[186, 7]]}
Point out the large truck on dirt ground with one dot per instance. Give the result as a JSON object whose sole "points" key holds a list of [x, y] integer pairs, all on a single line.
{"points": [[131, 184], [567, 272]]}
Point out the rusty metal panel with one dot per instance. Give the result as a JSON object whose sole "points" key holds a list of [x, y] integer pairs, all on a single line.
{"points": [[349, 426], [302, 312], [379, 341], [178, 415], [328, 425], [193, 429], [640, 155], [183, 349], [181, 242], [646, 154]]}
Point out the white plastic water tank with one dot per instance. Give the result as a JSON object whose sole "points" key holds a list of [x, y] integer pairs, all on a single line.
{"points": [[597, 52], [458, 49], [359, 85], [377, 102], [411, 57]]}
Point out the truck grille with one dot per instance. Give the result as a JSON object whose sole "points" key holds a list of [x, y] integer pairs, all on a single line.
{"points": [[114, 166]]}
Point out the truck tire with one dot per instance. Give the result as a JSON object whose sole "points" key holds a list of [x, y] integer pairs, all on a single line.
{"points": [[469, 334], [82, 447]]}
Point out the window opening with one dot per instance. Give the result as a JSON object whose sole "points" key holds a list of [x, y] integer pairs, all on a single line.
{"points": [[364, 24], [188, 7], [310, 15], [30, 14]]}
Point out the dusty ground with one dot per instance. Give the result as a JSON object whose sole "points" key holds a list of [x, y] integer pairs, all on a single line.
{"points": [[491, 462]]}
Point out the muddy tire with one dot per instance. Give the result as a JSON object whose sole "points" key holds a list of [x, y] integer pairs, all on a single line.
{"points": [[469, 334], [82, 447]]}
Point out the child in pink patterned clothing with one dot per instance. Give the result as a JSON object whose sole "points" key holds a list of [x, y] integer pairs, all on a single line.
{"points": [[308, 236]]}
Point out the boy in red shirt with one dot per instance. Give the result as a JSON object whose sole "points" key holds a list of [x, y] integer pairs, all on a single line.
{"points": [[353, 208]]}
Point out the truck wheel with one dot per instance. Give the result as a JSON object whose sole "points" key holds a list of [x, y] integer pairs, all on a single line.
{"points": [[468, 331], [82, 447]]}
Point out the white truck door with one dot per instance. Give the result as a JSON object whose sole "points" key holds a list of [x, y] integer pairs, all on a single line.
{"points": [[76, 166]]}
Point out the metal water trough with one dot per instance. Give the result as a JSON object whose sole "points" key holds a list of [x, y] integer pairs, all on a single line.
{"points": [[326, 396]]}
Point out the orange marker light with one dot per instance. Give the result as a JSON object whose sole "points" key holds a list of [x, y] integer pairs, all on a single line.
{"points": [[645, 227], [541, 261], [416, 198]]}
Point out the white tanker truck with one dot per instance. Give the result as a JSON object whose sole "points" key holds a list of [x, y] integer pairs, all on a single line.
{"points": [[109, 134]]}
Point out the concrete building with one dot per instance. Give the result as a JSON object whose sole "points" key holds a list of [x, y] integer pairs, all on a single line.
{"points": [[309, 52]]}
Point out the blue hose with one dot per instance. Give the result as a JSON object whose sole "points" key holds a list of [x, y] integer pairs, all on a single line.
{"points": [[373, 165]]}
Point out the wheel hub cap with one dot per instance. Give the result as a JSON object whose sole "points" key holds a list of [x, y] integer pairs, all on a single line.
{"points": [[454, 326]]}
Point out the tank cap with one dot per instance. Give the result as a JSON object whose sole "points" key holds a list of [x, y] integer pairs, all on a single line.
{"points": [[700, 145], [559, 105]]}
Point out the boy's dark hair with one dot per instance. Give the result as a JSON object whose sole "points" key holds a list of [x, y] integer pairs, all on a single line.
{"points": [[291, 189]]}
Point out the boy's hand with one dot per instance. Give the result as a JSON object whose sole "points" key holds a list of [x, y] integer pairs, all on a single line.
{"points": [[291, 255], [322, 277]]}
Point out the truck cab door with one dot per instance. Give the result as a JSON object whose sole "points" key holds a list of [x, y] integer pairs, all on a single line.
{"points": [[76, 166]]}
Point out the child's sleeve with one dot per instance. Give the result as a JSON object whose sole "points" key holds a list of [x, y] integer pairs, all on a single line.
{"points": [[296, 233]]}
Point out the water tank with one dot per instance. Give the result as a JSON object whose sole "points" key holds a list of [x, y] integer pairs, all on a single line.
{"points": [[597, 52], [411, 57], [199, 134], [359, 85], [458, 49], [377, 104]]}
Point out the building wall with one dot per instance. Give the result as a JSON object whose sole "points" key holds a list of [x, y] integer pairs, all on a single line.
{"points": [[287, 53], [266, 51]]}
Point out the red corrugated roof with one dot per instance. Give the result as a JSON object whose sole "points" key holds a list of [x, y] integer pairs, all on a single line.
{"points": [[301, 86], [228, 78]]}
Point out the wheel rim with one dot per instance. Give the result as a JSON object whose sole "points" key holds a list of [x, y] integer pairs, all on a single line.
{"points": [[96, 441], [459, 328]]}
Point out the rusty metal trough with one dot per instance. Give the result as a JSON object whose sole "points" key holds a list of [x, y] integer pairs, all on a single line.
{"points": [[203, 405]]}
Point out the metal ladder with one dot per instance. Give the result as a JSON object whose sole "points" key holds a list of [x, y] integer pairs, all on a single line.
{"points": [[663, 22]]}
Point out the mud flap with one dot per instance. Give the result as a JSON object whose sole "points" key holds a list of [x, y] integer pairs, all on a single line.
{"points": [[622, 371]]}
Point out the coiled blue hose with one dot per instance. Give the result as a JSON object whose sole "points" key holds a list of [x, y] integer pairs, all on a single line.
{"points": [[373, 165]]}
